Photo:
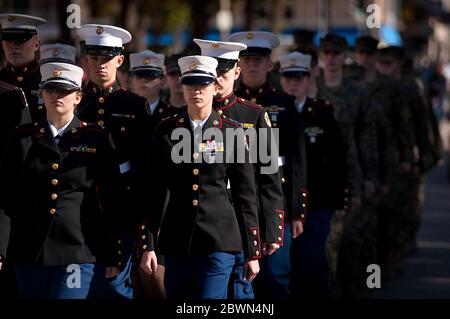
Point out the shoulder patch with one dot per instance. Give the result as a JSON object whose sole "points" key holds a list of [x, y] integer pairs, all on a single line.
{"points": [[266, 118]]}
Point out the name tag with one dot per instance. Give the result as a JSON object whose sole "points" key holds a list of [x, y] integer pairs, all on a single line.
{"points": [[275, 109], [248, 125], [313, 132], [83, 149], [125, 167]]}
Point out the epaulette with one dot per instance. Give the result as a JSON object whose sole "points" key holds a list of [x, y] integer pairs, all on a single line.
{"points": [[91, 126], [168, 118], [322, 102], [275, 90], [26, 127], [321, 105], [231, 122], [249, 103]]}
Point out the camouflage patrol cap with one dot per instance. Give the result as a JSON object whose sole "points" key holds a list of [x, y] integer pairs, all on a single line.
{"points": [[333, 42], [304, 38], [391, 54], [366, 44]]}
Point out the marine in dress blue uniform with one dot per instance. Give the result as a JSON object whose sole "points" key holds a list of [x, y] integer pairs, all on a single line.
{"points": [[19, 89], [147, 73], [58, 198], [199, 234], [273, 280], [250, 116], [122, 114]]}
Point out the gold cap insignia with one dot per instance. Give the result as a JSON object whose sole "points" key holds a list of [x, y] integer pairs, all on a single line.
{"points": [[100, 30], [293, 62], [215, 45], [11, 18], [55, 52], [193, 65], [146, 61], [57, 72], [249, 35]]}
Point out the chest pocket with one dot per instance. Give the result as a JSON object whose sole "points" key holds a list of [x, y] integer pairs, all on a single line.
{"points": [[79, 165]]}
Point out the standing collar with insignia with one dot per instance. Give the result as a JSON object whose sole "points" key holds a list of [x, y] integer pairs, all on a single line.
{"points": [[183, 120], [99, 91], [249, 93], [42, 128], [224, 102], [33, 66]]}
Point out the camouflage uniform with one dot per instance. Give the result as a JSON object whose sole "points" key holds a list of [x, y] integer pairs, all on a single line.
{"points": [[351, 100], [425, 153], [380, 235], [362, 121]]}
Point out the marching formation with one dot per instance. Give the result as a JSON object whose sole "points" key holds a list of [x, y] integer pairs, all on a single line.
{"points": [[92, 184]]}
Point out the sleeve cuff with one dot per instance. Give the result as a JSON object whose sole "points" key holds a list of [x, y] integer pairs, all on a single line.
{"points": [[254, 243], [145, 238], [116, 250], [301, 214]]}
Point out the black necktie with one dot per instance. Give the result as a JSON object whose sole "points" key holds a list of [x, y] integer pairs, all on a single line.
{"points": [[57, 138]]}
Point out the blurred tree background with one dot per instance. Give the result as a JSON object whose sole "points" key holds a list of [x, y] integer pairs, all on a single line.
{"points": [[168, 25]]}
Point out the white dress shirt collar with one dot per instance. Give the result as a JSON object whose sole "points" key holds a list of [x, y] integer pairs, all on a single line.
{"points": [[60, 131], [300, 105]]}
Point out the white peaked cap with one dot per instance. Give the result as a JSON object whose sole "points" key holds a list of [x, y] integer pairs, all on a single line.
{"points": [[256, 39], [146, 60], [20, 21], [103, 35], [220, 49], [63, 76], [295, 62], [197, 69], [57, 52]]}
